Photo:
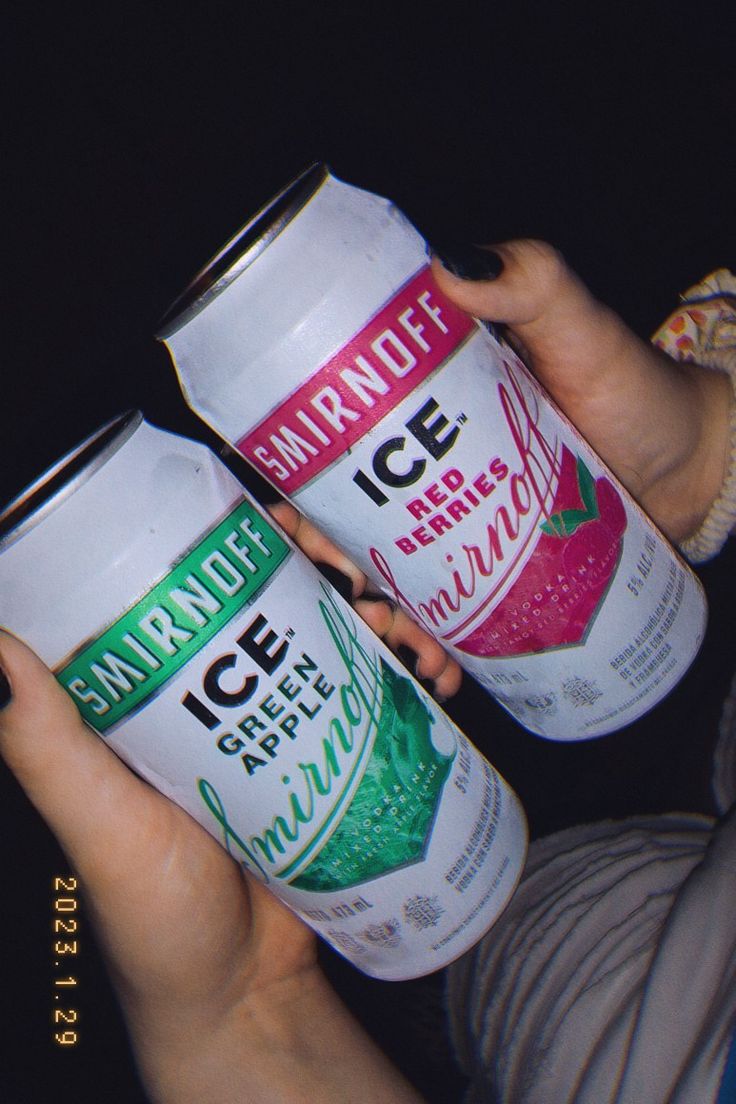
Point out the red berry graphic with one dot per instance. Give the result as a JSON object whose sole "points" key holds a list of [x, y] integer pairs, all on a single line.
{"points": [[554, 601]]}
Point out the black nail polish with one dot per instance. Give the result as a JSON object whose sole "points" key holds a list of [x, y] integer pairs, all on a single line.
{"points": [[376, 596], [431, 689], [468, 261], [342, 584], [267, 496], [408, 657], [5, 691], [252, 480]]}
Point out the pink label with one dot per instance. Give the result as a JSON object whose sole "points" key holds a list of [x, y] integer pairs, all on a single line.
{"points": [[560, 591], [404, 343], [568, 523]]}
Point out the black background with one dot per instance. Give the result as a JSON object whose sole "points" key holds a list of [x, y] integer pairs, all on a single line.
{"points": [[138, 137]]}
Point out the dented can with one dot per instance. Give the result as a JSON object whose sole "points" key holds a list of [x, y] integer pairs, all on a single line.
{"points": [[318, 345], [210, 654]]}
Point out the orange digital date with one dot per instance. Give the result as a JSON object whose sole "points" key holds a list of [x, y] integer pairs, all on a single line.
{"points": [[66, 925]]}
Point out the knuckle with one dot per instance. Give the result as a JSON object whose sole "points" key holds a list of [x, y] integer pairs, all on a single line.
{"points": [[546, 264]]}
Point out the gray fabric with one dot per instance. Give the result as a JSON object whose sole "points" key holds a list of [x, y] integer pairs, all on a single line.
{"points": [[724, 756], [610, 976]]}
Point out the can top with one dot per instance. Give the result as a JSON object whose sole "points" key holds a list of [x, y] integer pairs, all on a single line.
{"points": [[242, 249], [64, 477]]}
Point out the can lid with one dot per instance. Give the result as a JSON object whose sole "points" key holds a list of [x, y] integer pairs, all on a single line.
{"points": [[64, 477], [242, 249]]}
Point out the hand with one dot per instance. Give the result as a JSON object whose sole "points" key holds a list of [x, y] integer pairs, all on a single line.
{"points": [[389, 622], [217, 979], [660, 425]]}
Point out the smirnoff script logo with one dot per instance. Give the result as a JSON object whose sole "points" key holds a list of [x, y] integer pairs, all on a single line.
{"points": [[362, 798], [314, 795], [534, 474]]}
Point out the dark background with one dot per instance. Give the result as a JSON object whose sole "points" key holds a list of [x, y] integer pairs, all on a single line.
{"points": [[137, 138]]}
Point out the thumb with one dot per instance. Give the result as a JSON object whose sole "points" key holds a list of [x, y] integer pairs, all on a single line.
{"points": [[570, 339], [516, 282], [77, 784], [543, 303]]}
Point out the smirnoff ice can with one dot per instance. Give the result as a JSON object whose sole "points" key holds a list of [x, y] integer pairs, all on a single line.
{"points": [[318, 345], [209, 653]]}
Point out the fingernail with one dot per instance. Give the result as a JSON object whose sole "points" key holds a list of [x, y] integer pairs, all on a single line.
{"points": [[377, 596], [429, 686], [268, 497], [408, 657], [341, 582], [468, 261], [5, 691]]}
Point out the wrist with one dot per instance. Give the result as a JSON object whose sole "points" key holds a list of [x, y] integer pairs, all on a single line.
{"points": [[681, 498], [292, 1042], [194, 1051], [718, 518]]}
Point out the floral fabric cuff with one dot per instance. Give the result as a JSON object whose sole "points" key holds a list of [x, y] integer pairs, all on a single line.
{"points": [[703, 329]]}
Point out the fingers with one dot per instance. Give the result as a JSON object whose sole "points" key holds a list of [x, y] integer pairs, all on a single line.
{"points": [[568, 337], [388, 622], [316, 545], [661, 426], [397, 630], [600, 373], [78, 785], [533, 280]]}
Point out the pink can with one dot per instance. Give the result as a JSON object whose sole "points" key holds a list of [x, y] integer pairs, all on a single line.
{"points": [[319, 346]]}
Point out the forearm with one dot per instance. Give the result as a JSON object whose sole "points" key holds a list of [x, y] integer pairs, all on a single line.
{"points": [[661, 425], [295, 1044]]}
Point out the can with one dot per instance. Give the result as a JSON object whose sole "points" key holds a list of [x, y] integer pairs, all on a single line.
{"points": [[209, 653], [319, 346]]}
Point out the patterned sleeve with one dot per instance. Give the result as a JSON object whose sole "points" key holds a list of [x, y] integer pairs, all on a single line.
{"points": [[703, 329]]}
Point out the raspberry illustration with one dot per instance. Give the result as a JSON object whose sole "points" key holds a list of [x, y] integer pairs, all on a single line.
{"points": [[554, 601]]}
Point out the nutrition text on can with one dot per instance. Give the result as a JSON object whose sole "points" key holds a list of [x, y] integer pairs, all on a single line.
{"points": [[318, 344], [208, 652]]}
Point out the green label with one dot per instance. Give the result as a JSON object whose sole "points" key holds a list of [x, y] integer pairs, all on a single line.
{"points": [[389, 820], [130, 661], [325, 833]]}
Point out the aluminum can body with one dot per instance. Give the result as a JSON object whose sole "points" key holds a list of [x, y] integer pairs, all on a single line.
{"points": [[211, 656], [319, 346]]}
